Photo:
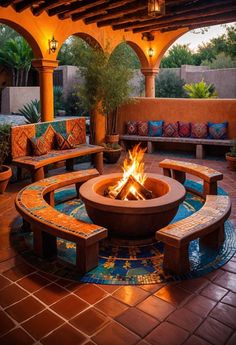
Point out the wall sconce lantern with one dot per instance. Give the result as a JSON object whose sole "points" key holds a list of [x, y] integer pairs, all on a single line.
{"points": [[53, 44], [156, 7], [150, 52], [147, 36]]}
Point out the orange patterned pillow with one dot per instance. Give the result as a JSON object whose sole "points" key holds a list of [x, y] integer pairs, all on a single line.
{"points": [[64, 141], [38, 146]]}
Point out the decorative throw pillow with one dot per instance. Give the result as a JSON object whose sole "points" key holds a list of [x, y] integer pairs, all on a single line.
{"points": [[199, 130], [170, 129], [64, 141], [217, 130], [132, 128], [142, 128], [38, 146], [184, 129], [155, 128]]}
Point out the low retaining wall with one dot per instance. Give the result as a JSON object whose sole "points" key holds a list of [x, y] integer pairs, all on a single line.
{"points": [[15, 97]]}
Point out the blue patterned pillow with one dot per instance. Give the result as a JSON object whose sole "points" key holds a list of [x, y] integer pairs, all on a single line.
{"points": [[217, 130], [155, 128]]}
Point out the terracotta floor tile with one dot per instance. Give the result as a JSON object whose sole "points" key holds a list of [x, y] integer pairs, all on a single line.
{"points": [[225, 314], [214, 331], [130, 295], [33, 282], [200, 305], [185, 319], [115, 334], [193, 285], [193, 340], [143, 342], [18, 272], [166, 333], [90, 293], [4, 282], [232, 340], [69, 306], [156, 307], [230, 266], [51, 293], [89, 321], [6, 324], [109, 288], [214, 292], [173, 294], [64, 335], [227, 280], [17, 337], [11, 294], [41, 324], [152, 287], [230, 299], [137, 321], [24, 309], [111, 306]]}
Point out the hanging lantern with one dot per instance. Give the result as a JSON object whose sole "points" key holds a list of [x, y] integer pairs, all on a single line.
{"points": [[156, 7]]}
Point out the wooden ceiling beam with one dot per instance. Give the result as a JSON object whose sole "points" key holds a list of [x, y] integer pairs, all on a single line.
{"points": [[142, 15], [74, 6], [46, 6], [5, 3], [23, 5]]}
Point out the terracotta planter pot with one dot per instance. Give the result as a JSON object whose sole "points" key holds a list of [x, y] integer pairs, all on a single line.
{"points": [[231, 162], [112, 138], [5, 176], [112, 156]]}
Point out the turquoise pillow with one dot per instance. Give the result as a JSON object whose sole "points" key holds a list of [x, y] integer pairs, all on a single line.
{"points": [[155, 128], [217, 130]]}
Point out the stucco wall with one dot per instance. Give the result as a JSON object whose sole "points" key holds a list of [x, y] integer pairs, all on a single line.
{"points": [[174, 109], [13, 98]]}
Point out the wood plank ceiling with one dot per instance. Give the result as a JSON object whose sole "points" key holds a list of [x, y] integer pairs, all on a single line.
{"points": [[132, 14]]}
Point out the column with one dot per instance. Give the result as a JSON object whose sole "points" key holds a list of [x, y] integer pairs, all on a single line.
{"points": [[46, 68], [149, 74]]}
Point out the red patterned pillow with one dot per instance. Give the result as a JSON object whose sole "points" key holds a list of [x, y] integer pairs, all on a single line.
{"points": [[184, 129], [38, 146], [170, 129], [64, 141], [142, 128], [199, 130], [132, 127]]}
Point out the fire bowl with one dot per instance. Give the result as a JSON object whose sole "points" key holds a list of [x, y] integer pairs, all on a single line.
{"points": [[132, 218]]}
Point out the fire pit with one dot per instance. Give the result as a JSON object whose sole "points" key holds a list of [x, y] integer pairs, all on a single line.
{"points": [[149, 202]]}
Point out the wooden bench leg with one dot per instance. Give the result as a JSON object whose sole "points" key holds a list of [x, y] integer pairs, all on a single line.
{"points": [[167, 172], [49, 198], [98, 162], [86, 257], [37, 174], [45, 245], [209, 188], [25, 226], [149, 147], [215, 239], [200, 152], [70, 164], [176, 260], [180, 176]]}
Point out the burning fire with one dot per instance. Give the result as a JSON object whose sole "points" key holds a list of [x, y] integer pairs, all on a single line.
{"points": [[131, 186]]}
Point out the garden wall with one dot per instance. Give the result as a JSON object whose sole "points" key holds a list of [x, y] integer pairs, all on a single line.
{"points": [[182, 109], [15, 97]]}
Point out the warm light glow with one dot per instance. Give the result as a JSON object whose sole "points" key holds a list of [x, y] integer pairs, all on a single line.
{"points": [[150, 52], [156, 7], [53, 44]]}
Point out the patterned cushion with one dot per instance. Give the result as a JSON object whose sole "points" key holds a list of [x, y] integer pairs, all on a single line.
{"points": [[199, 130], [155, 128], [142, 128], [132, 127], [170, 129], [38, 146], [64, 141], [218, 130], [184, 129]]}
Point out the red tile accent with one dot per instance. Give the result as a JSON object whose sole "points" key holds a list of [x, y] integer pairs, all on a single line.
{"points": [[173, 294], [64, 335], [110, 306], [69, 306], [41, 324], [11, 294], [185, 319], [214, 332], [115, 334], [89, 321], [214, 292], [33, 282], [90, 293], [24, 309], [156, 307], [17, 337], [230, 299], [137, 321], [225, 314], [130, 295], [51, 293], [5, 323], [200, 305], [166, 333]]}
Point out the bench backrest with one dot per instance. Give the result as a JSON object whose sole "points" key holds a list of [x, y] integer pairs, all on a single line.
{"points": [[20, 135]]}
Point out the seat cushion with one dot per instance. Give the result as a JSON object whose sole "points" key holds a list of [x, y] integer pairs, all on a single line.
{"points": [[217, 130], [38, 146]]}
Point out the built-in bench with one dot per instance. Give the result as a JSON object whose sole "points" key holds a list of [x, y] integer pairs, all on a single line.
{"points": [[199, 143], [207, 224], [22, 153], [178, 170], [35, 204]]}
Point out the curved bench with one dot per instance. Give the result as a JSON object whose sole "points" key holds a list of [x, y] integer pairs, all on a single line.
{"points": [[178, 170], [206, 224], [35, 204]]}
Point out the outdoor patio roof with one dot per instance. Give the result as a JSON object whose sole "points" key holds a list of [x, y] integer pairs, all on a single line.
{"points": [[133, 15]]}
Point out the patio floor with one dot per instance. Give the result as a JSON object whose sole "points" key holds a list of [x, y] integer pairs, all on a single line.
{"points": [[36, 308]]}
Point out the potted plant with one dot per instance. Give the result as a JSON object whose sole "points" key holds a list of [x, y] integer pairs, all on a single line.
{"points": [[112, 152], [5, 171], [231, 157]]}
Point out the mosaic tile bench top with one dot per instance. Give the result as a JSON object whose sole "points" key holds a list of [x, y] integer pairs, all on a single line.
{"points": [[216, 207], [20, 134], [201, 171], [30, 202]]}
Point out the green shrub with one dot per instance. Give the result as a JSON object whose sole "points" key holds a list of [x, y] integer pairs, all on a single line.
{"points": [[31, 111], [200, 90], [169, 85], [73, 104], [58, 99], [4, 142]]}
